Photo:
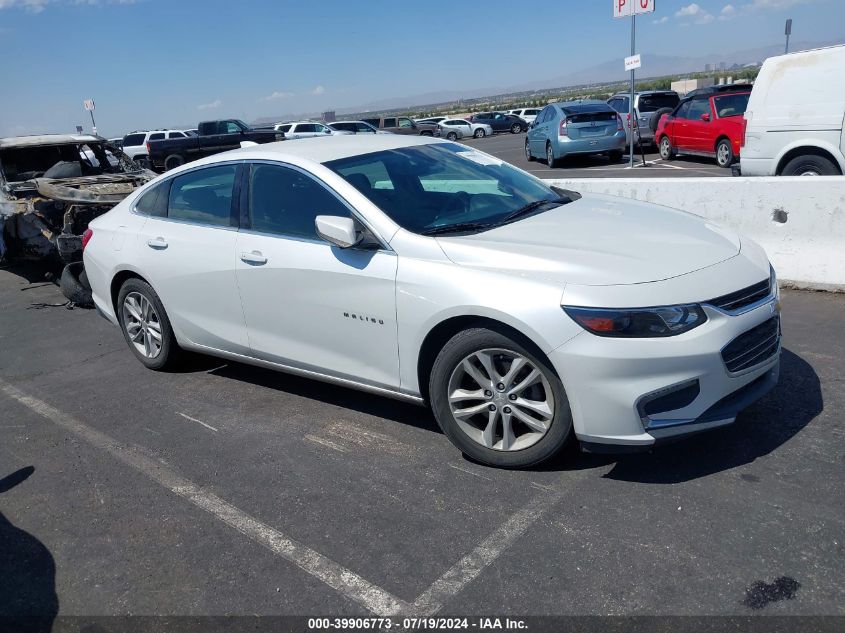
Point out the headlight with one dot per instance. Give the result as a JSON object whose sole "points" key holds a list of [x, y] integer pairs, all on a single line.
{"points": [[638, 322]]}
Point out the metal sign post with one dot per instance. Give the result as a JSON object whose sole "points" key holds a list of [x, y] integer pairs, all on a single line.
{"points": [[625, 9], [787, 31], [88, 104]]}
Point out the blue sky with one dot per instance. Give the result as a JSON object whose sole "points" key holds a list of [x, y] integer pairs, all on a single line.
{"points": [[152, 63]]}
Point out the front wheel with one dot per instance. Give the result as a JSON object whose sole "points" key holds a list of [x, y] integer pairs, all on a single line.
{"points": [[528, 156], [145, 325], [499, 400], [724, 153], [479, 133], [516, 128], [667, 152]]}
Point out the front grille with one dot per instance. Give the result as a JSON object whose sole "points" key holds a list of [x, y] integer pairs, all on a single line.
{"points": [[742, 298], [753, 347]]}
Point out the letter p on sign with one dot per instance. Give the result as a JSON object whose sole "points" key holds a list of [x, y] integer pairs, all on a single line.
{"points": [[627, 8]]}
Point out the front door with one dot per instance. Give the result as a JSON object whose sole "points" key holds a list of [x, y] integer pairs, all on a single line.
{"points": [[307, 303]]}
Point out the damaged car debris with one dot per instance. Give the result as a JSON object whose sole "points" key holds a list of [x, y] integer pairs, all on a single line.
{"points": [[51, 187]]}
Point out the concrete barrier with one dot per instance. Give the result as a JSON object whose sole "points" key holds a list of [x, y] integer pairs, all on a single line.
{"points": [[800, 221]]}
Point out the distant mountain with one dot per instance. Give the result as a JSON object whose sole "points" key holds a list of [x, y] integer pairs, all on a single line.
{"points": [[609, 71]]}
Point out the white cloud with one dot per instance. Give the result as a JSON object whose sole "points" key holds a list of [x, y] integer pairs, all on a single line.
{"points": [[318, 90], [695, 13], [728, 12], [277, 95], [210, 106], [662, 20]]}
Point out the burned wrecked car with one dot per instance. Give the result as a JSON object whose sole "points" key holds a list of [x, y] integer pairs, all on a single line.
{"points": [[51, 187]]}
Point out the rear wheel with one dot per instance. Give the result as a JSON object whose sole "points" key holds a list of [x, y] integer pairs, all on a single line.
{"points": [[173, 161], [145, 325], [667, 152], [551, 161], [516, 128], [810, 165], [452, 136], [499, 400], [426, 133], [528, 156], [615, 157], [479, 133], [724, 153]]}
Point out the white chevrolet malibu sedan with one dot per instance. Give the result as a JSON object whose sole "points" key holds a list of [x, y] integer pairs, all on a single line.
{"points": [[523, 314]]}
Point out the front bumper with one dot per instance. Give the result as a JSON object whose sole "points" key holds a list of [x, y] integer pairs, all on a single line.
{"points": [[610, 380]]}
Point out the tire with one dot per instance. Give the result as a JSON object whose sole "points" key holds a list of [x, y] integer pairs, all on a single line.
{"points": [[667, 152], [473, 434], [426, 133], [528, 156], [551, 161], [74, 285], [516, 128], [810, 165], [452, 136], [479, 133], [615, 157], [654, 121], [724, 153], [173, 161], [168, 352]]}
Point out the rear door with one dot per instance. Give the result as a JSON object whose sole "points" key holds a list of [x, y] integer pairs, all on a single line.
{"points": [[309, 304], [188, 255]]}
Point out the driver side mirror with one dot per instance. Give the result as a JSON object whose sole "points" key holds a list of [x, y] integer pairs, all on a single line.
{"points": [[339, 231], [705, 117]]}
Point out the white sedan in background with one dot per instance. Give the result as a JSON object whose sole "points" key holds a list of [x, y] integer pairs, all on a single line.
{"points": [[421, 269], [453, 129], [306, 129], [526, 114]]}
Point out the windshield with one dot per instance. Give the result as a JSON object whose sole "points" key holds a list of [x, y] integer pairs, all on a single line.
{"points": [[445, 185], [652, 103]]}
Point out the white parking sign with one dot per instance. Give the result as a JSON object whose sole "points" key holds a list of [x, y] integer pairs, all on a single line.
{"points": [[627, 8], [89, 104]]}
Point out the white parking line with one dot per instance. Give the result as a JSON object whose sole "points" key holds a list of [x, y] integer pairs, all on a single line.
{"points": [[324, 442], [187, 417], [334, 575], [344, 581]]}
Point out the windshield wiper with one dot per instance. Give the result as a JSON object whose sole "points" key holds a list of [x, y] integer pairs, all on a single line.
{"points": [[530, 208], [460, 227]]}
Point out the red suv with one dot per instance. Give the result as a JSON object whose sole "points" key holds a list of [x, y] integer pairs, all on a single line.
{"points": [[708, 122]]}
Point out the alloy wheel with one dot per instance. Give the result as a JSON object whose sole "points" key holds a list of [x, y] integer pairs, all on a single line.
{"points": [[723, 154], [665, 148], [501, 399], [142, 324], [527, 150]]}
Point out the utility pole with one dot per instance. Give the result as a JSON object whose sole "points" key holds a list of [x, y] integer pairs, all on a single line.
{"points": [[631, 118]]}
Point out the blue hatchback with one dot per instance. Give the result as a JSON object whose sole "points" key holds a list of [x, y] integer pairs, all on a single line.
{"points": [[575, 127]]}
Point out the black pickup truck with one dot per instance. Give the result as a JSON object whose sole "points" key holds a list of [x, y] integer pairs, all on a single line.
{"points": [[212, 137]]}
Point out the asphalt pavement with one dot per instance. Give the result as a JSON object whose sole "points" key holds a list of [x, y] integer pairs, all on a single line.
{"points": [[510, 147], [227, 489]]}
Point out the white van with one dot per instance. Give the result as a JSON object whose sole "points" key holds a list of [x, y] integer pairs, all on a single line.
{"points": [[795, 116]]}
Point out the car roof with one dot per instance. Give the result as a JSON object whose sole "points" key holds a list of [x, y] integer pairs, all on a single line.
{"points": [[323, 149], [574, 107], [47, 139]]}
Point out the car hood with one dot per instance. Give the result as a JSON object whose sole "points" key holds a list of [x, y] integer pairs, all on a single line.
{"points": [[598, 240]]}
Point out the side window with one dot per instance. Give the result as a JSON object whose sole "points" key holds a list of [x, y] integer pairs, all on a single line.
{"points": [[285, 202], [230, 127], [175, 135], [306, 127], [157, 136], [390, 122], [404, 122], [153, 202], [203, 196], [697, 108], [682, 110], [283, 128]]}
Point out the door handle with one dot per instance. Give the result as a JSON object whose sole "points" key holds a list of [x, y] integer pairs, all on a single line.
{"points": [[255, 257], [158, 243]]}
